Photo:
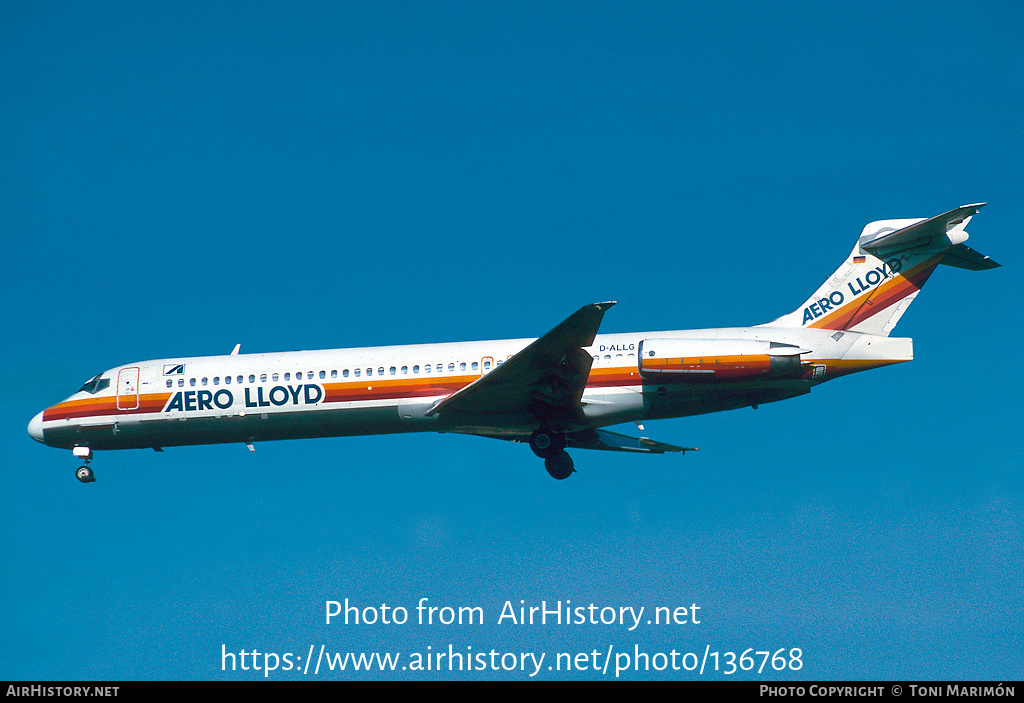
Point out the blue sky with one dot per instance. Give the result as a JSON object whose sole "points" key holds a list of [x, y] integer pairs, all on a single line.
{"points": [[176, 178]]}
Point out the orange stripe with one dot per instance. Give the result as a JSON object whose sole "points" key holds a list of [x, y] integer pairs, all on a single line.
{"points": [[879, 298], [107, 405]]}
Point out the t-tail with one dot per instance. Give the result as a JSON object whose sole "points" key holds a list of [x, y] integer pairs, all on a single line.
{"points": [[886, 270]]}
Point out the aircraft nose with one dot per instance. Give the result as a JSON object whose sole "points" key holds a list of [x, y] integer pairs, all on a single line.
{"points": [[35, 428]]}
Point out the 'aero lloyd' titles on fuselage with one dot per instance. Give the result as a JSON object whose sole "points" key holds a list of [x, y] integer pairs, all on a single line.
{"points": [[258, 397], [836, 298]]}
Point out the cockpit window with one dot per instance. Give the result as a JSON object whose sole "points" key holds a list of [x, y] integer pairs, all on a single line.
{"points": [[95, 384]]}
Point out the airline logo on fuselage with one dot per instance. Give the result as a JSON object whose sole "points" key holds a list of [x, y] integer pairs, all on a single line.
{"points": [[258, 397], [822, 306]]}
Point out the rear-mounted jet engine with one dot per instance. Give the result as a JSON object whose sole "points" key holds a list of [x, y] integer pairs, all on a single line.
{"points": [[717, 360]]}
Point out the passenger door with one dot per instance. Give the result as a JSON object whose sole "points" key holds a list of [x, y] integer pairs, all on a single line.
{"points": [[128, 388]]}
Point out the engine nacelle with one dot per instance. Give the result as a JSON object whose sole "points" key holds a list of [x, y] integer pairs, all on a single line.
{"points": [[717, 360]]}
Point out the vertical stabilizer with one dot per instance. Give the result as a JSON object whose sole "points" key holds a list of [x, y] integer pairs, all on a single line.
{"points": [[885, 271]]}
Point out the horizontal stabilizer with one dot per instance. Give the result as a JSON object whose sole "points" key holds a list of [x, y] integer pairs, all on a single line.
{"points": [[920, 234], [613, 441], [963, 257]]}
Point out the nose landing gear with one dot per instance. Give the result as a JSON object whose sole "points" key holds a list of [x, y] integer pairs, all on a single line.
{"points": [[84, 473]]}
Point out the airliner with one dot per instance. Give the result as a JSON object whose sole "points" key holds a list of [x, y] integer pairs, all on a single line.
{"points": [[557, 392]]}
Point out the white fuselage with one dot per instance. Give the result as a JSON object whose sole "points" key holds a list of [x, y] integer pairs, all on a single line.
{"points": [[375, 390]]}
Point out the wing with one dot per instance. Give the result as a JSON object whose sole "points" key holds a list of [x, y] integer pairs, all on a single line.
{"points": [[609, 441], [613, 441], [546, 379]]}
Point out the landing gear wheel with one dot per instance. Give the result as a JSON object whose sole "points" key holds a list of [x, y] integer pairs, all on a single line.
{"points": [[560, 465], [84, 474], [545, 443]]}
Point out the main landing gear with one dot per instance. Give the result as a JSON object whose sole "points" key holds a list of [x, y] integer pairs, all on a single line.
{"points": [[550, 446], [84, 473]]}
